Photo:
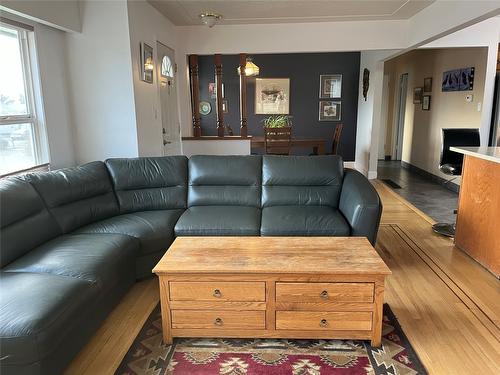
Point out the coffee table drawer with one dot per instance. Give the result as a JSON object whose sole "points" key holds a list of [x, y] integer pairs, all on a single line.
{"points": [[324, 292], [218, 291], [317, 320], [208, 319]]}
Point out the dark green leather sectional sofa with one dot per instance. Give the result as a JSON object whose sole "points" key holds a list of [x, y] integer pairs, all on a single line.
{"points": [[73, 241]]}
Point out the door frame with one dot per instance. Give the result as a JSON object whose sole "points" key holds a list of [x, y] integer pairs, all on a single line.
{"points": [[398, 129]]}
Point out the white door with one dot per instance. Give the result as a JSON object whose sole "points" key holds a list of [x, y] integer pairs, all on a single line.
{"points": [[167, 70], [400, 119]]}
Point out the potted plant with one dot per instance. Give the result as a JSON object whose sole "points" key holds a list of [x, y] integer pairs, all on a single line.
{"points": [[277, 121]]}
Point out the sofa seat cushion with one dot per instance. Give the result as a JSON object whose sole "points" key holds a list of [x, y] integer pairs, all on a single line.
{"points": [[153, 229], [103, 259], [35, 311], [219, 221], [303, 221]]}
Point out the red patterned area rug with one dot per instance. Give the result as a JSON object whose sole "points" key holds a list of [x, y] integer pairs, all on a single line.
{"points": [[201, 356]]}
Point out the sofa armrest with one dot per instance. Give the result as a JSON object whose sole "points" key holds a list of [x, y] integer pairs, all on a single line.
{"points": [[360, 205]]}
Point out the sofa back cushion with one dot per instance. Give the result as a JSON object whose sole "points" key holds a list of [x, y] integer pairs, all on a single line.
{"points": [[77, 196], [224, 180], [24, 220], [151, 183], [301, 180]]}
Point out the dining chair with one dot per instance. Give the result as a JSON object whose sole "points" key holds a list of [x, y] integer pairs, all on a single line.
{"points": [[278, 141], [336, 138]]}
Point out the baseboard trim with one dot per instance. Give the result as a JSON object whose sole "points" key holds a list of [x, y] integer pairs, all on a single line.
{"points": [[432, 177]]}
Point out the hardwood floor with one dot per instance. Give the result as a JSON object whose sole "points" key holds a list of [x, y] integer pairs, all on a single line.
{"points": [[447, 304]]}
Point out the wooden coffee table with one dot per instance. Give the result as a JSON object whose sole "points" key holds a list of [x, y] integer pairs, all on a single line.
{"points": [[281, 287]]}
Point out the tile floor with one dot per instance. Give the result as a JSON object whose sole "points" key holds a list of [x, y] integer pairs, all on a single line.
{"points": [[428, 196]]}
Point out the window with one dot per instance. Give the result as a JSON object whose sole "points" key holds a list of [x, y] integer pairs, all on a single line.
{"points": [[21, 145], [167, 70]]}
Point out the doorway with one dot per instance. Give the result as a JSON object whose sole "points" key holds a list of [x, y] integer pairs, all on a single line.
{"points": [[400, 116], [167, 70]]}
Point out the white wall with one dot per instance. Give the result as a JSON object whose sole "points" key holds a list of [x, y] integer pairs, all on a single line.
{"points": [[216, 147], [53, 71], [148, 25], [482, 34], [100, 75], [63, 14], [370, 112]]}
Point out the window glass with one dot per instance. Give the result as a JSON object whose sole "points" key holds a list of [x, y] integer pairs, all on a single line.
{"points": [[167, 70], [16, 148], [12, 89]]}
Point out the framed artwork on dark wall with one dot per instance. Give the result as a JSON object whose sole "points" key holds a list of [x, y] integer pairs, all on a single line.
{"points": [[330, 86], [272, 96], [330, 110]]}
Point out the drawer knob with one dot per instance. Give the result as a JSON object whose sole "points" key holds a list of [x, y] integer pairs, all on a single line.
{"points": [[324, 294], [323, 323], [218, 321], [217, 293]]}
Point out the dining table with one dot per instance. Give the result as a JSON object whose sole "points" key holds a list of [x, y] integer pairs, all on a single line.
{"points": [[318, 145]]}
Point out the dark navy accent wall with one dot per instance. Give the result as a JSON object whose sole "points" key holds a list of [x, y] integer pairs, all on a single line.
{"points": [[304, 70]]}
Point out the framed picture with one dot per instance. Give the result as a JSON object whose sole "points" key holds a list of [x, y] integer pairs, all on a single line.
{"points": [[147, 65], [225, 106], [330, 110], [212, 90], [330, 86], [272, 96], [450, 80], [428, 84], [417, 95], [426, 102]]}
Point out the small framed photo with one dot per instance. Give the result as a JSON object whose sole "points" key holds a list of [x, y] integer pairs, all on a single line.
{"points": [[428, 84], [330, 110], [330, 86], [212, 90], [417, 95], [426, 103], [147, 65], [225, 106]]}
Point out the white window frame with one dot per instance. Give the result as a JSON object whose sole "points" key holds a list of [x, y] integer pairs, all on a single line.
{"points": [[34, 101]]}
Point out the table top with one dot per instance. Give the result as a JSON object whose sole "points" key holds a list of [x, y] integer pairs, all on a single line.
{"points": [[486, 153], [272, 255]]}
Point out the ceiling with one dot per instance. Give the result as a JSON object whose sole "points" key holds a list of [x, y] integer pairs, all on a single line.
{"points": [[234, 12]]}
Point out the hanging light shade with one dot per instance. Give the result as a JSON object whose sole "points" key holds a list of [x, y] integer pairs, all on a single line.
{"points": [[251, 69]]}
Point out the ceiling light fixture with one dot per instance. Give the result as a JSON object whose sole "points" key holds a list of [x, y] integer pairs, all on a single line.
{"points": [[210, 19], [251, 70]]}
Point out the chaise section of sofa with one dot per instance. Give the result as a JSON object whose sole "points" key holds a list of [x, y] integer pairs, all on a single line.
{"points": [[223, 197], [55, 288]]}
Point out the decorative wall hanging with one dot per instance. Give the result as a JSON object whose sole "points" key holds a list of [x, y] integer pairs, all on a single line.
{"points": [[205, 108], [272, 96], [458, 80], [329, 110], [147, 65], [330, 86], [428, 84], [366, 82], [417, 95], [426, 102]]}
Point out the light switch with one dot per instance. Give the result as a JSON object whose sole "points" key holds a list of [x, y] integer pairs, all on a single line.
{"points": [[469, 98], [479, 107]]}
